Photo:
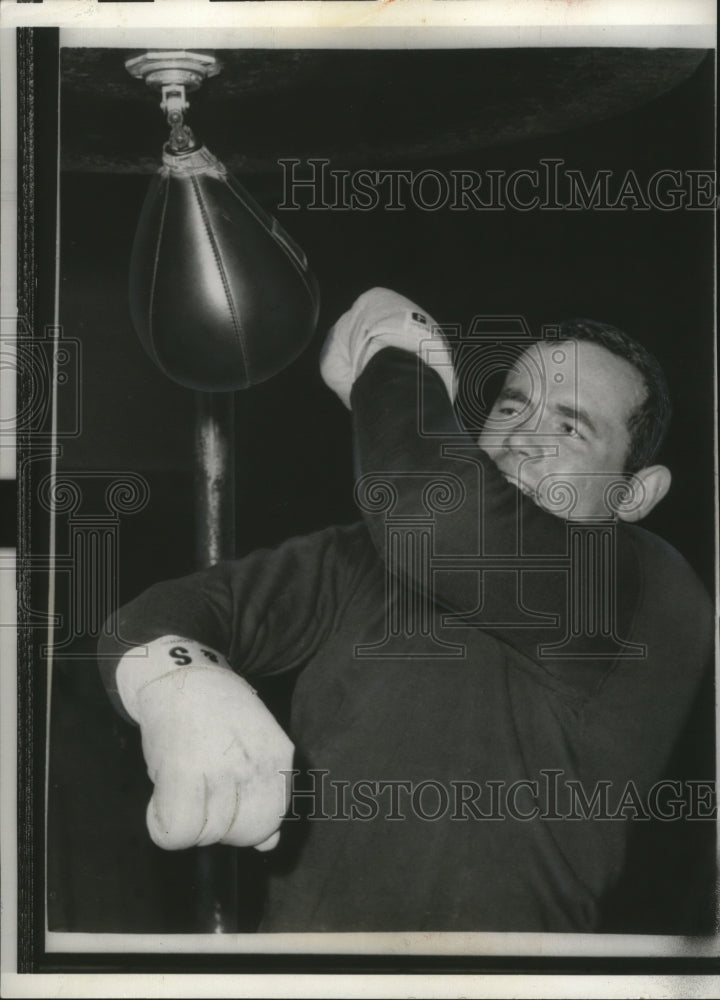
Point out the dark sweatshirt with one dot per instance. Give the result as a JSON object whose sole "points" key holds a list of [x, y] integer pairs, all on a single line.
{"points": [[459, 696]]}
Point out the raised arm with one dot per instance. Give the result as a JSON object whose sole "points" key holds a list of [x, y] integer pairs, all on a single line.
{"points": [[499, 559], [506, 560], [535, 580]]}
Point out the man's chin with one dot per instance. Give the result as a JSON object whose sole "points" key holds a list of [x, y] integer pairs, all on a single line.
{"points": [[527, 490], [532, 493], [559, 499], [540, 498]]}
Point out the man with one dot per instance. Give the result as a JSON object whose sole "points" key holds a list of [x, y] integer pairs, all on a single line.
{"points": [[492, 670]]}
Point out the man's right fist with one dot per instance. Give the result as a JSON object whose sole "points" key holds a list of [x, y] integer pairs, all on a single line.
{"points": [[215, 754], [382, 318]]}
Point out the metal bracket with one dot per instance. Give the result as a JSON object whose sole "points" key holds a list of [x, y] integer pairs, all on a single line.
{"points": [[171, 66], [174, 73], [174, 101]]}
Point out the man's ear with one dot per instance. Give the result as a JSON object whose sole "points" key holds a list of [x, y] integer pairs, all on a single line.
{"points": [[649, 486]]}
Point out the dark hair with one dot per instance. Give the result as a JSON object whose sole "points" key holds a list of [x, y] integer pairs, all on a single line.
{"points": [[648, 422]]}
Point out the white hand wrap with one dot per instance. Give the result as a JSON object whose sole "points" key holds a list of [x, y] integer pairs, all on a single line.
{"points": [[213, 751], [377, 319]]}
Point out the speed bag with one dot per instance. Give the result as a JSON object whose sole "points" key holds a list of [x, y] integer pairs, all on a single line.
{"points": [[220, 296]]}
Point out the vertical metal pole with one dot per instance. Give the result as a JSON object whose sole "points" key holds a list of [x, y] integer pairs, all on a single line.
{"points": [[216, 866], [214, 477]]}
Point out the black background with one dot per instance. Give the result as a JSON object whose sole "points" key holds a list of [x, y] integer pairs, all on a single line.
{"points": [[651, 273]]}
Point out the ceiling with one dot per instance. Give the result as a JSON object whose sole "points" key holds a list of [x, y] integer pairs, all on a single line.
{"points": [[356, 107]]}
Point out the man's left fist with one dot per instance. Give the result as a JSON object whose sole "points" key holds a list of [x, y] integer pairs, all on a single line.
{"points": [[377, 319]]}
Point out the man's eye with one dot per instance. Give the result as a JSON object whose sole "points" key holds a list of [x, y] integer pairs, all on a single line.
{"points": [[570, 430], [507, 410]]}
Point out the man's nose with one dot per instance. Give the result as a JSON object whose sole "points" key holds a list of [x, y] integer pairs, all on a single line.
{"points": [[523, 441], [530, 441]]}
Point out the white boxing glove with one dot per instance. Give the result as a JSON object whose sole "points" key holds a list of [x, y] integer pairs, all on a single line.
{"points": [[377, 319], [213, 751]]}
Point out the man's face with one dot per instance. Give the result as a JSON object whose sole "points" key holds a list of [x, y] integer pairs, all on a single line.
{"points": [[561, 417]]}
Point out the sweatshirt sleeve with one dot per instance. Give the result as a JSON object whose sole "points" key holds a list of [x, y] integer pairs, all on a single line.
{"points": [[499, 561], [266, 613]]}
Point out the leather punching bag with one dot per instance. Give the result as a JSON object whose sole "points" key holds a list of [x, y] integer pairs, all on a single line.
{"points": [[220, 296]]}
